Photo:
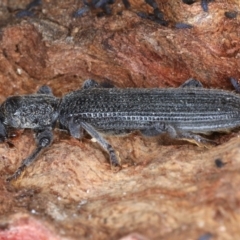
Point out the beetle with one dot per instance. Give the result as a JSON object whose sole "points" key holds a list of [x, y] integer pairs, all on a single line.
{"points": [[100, 109]]}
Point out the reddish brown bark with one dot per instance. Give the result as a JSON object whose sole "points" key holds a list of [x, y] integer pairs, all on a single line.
{"points": [[165, 190]]}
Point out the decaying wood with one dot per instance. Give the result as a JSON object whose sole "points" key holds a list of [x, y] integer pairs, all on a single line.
{"points": [[167, 190]]}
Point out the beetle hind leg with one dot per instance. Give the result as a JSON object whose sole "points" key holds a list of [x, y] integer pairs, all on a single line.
{"points": [[174, 133], [195, 138]]}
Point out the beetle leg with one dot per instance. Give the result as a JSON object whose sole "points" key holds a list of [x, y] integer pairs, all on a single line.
{"points": [[161, 128], [44, 139], [194, 138], [75, 129], [90, 83], [45, 90], [235, 84], [104, 144], [204, 5], [191, 83]]}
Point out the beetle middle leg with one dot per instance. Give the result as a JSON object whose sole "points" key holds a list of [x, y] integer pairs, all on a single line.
{"points": [[105, 145], [43, 138], [76, 128]]}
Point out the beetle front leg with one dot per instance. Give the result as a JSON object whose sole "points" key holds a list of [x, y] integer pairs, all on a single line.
{"points": [[44, 139]]}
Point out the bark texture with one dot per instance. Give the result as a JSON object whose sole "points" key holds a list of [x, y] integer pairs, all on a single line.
{"points": [[166, 190]]}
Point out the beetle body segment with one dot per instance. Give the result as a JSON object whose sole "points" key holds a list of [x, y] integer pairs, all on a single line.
{"points": [[197, 110]]}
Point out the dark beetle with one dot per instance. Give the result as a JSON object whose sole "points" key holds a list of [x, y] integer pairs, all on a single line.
{"points": [[180, 112]]}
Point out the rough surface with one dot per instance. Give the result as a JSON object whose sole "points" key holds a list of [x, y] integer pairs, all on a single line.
{"points": [[168, 190]]}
